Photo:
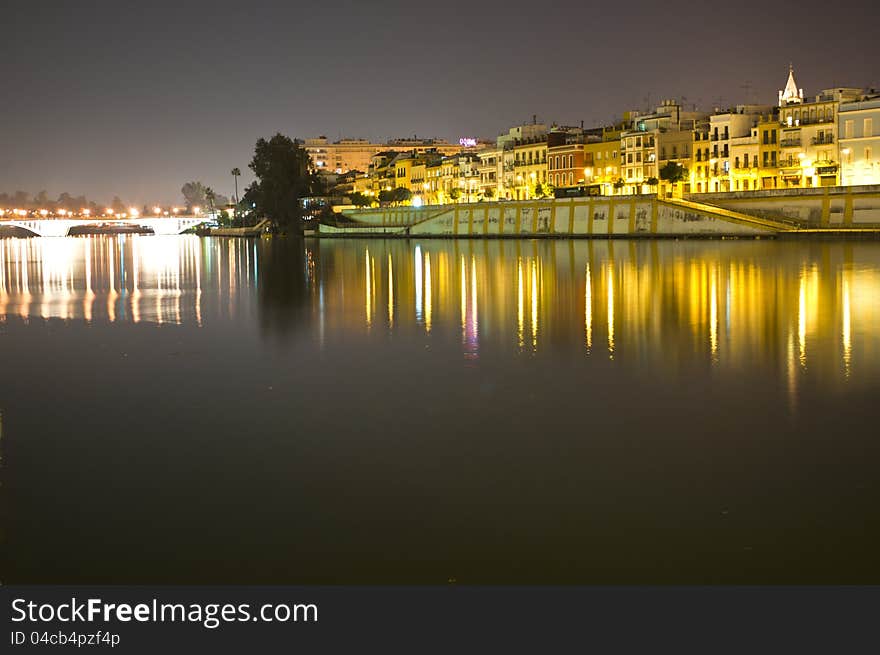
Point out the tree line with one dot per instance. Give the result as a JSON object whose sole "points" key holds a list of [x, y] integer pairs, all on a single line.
{"points": [[66, 201]]}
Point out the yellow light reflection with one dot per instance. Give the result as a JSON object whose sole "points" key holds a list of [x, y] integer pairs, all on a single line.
{"points": [[610, 292], [846, 328], [534, 305], [520, 302], [588, 308], [713, 316], [427, 292], [390, 292], [802, 320], [368, 288]]}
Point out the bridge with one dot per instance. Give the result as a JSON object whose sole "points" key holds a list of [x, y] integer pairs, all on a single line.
{"points": [[60, 227]]}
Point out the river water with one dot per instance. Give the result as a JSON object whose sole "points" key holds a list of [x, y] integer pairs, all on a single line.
{"points": [[188, 410]]}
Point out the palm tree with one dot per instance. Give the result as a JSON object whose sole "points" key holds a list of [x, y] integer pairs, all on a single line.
{"points": [[210, 195], [235, 174]]}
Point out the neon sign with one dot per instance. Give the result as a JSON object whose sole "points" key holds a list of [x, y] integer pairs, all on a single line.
{"points": [[467, 142]]}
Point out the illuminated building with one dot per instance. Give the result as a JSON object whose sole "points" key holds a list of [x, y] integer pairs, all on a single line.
{"points": [[566, 162], [652, 140], [725, 150], [808, 153], [491, 172], [601, 161], [859, 143], [524, 159], [355, 154]]}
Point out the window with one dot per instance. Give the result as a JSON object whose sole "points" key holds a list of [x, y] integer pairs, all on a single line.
{"points": [[848, 129], [570, 179], [869, 127], [571, 161], [867, 154], [736, 163]]}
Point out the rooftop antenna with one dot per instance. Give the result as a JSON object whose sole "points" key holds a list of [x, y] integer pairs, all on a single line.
{"points": [[747, 87]]}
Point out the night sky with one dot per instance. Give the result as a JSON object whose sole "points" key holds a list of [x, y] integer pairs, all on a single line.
{"points": [[134, 99]]}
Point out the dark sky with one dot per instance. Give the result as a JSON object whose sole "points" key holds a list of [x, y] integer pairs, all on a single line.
{"points": [[135, 99]]}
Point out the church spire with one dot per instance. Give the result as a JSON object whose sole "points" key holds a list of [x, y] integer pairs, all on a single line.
{"points": [[791, 95]]}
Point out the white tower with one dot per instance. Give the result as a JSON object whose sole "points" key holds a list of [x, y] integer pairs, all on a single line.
{"points": [[791, 95]]}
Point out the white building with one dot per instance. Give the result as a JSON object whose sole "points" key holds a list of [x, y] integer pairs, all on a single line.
{"points": [[859, 130]]}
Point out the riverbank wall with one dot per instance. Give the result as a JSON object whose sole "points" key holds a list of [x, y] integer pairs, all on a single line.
{"points": [[834, 211]]}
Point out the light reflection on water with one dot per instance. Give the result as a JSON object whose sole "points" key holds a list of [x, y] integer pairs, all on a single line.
{"points": [[795, 306], [417, 410]]}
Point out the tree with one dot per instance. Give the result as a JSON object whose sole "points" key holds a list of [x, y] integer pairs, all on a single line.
{"points": [[281, 166], [210, 196], [652, 182], [194, 195], [236, 173], [455, 194], [359, 199], [402, 194], [386, 195], [619, 183], [489, 193], [672, 172], [543, 190]]}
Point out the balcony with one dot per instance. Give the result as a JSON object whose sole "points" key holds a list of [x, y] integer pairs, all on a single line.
{"points": [[790, 143], [822, 140]]}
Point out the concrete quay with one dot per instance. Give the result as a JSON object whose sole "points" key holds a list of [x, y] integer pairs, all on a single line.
{"points": [[830, 211]]}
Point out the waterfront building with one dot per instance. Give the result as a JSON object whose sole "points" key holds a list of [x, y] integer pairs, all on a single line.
{"points": [[601, 161], [808, 154], [725, 150], [859, 143], [652, 140], [524, 159], [355, 154], [566, 162], [491, 172], [768, 150]]}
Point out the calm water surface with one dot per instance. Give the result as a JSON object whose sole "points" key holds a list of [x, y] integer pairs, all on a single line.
{"points": [[177, 409]]}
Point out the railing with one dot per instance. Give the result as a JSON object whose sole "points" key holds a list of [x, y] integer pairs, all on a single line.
{"points": [[790, 143], [818, 140]]}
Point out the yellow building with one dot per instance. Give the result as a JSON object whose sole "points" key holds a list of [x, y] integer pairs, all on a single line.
{"points": [[530, 166], [601, 160], [808, 151]]}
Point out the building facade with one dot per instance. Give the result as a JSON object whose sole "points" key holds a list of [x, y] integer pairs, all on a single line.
{"points": [[859, 143]]}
